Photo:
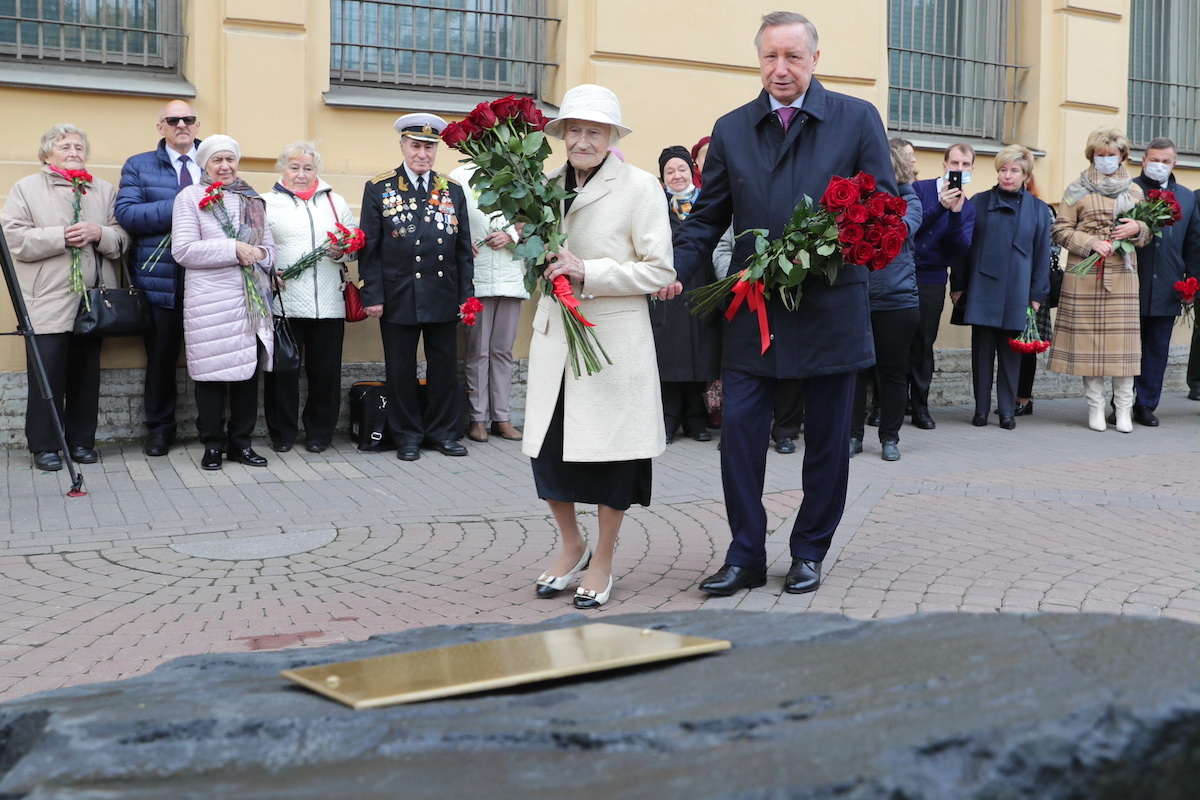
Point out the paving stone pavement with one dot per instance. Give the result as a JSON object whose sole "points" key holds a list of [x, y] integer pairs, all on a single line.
{"points": [[162, 559]]}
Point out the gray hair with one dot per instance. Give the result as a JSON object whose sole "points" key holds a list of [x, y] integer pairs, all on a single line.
{"points": [[297, 150], [776, 18], [1161, 143], [56, 135]]}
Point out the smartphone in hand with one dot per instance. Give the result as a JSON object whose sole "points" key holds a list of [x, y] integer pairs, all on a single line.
{"points": [[955, 179]]}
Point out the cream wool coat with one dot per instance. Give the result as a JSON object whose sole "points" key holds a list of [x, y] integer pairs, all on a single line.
{"points": [[618, 226]]}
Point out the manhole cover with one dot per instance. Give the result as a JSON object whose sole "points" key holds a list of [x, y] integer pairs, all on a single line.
{"points": [[257, 548]]}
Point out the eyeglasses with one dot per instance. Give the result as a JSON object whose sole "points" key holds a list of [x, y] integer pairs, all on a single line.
{"points": [[173, 121]]}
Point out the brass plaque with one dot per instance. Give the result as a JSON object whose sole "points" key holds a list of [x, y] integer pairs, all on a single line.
{"points": [[497, 663]]}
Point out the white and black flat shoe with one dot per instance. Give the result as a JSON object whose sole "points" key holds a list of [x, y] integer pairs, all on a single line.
{"points": [[586, 598], [549, 585]]}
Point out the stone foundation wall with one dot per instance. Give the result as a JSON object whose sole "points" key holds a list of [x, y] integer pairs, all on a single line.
{"points": [[121, 394]]}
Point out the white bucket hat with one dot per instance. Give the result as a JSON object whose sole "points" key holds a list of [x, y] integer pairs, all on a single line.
{"points": [[590, 103]]}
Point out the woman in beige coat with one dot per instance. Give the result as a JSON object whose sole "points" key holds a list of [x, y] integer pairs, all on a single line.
{"points": [[37, 222], [591, 438]]}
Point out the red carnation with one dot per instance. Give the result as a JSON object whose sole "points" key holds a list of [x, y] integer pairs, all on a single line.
{"points": [[840, 195], [856, 213], [1188, 289], [506, 107], [865, 183], [851, 233]]}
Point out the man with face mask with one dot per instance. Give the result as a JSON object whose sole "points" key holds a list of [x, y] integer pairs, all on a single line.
{"points": [[941, 242], [1167, 259]]}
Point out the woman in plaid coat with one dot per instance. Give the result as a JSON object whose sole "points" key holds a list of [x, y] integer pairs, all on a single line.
{"points": [[1097, 332]]}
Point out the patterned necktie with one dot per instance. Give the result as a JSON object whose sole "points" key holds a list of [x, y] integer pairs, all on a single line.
{"points": [[185, 174], [785, 116]]}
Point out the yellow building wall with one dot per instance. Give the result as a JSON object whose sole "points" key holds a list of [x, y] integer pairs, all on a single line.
{"points": [[260, 69]]}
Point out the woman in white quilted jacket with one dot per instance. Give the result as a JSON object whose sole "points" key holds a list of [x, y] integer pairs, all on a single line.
{"points": [[301, 210]]}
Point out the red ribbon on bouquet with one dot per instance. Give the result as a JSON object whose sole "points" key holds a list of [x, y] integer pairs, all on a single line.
{"points": [[752, 293], [565, 295]]}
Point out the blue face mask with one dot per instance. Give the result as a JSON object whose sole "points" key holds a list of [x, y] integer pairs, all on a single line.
{"points": [[1106, 165], [966, 177]]}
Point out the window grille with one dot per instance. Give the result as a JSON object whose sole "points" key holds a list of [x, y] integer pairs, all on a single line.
{"points": [[950, 67], [1164, 73], [495, 46], [138, 34]]}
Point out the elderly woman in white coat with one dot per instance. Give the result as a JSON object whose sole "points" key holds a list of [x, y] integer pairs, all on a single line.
{"points": [[228, 256], [37, 221], [591, 438], [301, 210]]}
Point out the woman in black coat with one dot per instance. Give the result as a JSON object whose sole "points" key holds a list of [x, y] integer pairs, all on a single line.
{"points": [[689, 347], [1007, 271]]}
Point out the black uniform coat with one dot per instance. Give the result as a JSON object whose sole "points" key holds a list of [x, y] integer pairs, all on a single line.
{"points": [[688, 346], [756, 175], [419, 272], [1171, 258]]}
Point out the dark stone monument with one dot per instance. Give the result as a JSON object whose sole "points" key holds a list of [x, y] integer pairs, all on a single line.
{"points": [[940, 707]]}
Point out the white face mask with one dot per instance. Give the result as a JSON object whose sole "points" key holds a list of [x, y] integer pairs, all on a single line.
{"points": [[966, 177], [1156, 171], [1106, 165]]}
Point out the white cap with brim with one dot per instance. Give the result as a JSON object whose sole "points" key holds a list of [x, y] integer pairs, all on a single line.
{"points": [[220, 143], [589, 103], [422, 127]]}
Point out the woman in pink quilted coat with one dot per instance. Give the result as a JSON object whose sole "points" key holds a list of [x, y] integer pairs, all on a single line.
{"points": [[221, 239]]}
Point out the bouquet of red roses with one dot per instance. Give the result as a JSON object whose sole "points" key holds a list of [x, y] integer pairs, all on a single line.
{"points": [[79, 179], [854, 224], [1158, 210], [1188, 289], [349, 240], [504, 139], [1030, 340]]}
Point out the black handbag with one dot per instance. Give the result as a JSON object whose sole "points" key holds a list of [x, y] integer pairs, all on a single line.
{"points": [[287, 351], [113, 311]]}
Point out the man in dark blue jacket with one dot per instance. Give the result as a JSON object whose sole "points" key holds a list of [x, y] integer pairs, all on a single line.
{"points": [[149, 183], [1169, 258], [940, 244], [761, 162]]}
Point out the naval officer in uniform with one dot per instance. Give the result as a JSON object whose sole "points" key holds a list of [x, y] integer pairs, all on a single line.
{"points": [[417, 270]]}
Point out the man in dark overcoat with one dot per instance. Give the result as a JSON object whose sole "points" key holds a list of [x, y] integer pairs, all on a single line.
{"points": [[761, 162], [417, 268], [1167, 259]]}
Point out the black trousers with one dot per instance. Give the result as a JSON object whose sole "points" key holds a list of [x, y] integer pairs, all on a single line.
{"points": [[320, 343], [72, 366], [788, 409], [1193, 365], [826, 467], [408, 423], [243, 413], [683, 404], [161, 393], [893, 332], [1156, 348], [931, 298], [990, 350]]}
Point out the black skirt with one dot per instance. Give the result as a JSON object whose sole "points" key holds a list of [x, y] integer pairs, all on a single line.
{"points": [[616, 484]]}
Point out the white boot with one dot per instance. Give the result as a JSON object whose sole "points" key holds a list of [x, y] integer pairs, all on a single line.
{"points": [[1093, 390], [1123, 400]]}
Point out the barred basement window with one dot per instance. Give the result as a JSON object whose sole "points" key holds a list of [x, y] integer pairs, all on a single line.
{"points": [[1164, 73], [950, 67], [494, 46], [131, 34]]}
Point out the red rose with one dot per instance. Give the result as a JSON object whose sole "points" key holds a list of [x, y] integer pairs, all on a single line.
{"points": [[897, 205], [1176, 211], [850, 233], [840, 195], [470, 129], [865, 183], [876, 204], [879, 261], [859, 253], [1154, 194], [892, 244], [874, 234], [506, 107], [530, 115], [483, 116], [855, 213], [454, 135]]}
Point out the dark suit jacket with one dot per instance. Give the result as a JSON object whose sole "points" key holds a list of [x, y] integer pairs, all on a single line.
{"points": [[1171, 258], [422, 275], [755, 177]]}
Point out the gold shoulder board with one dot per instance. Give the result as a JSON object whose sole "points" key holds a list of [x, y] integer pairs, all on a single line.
{"points": [[384, 176]]}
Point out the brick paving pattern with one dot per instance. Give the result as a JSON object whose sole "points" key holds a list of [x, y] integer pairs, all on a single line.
{"points": [[162, 559]]}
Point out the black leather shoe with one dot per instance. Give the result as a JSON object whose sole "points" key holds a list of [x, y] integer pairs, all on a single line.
{"points": [[923, 421], [979, 420], [449, 447], [158, 444], [1194, 394], [1144, 416], [408, 452], [702, 436], [803, 577], [785, 446], [314, 446], [281, 447], [1007, 422], [211, 459], [874, 417], [855, 446], [730, 579], [47, 460], [84, 455], [248, 457], [1023, 410], [891, 451]]}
